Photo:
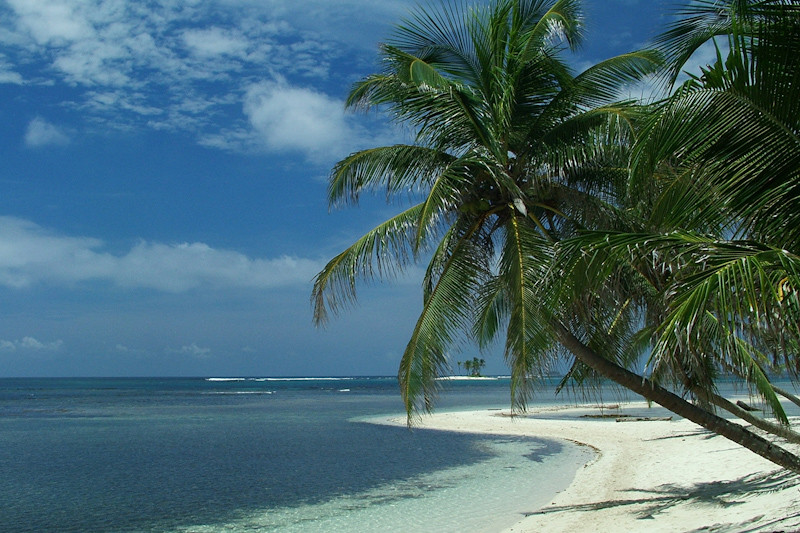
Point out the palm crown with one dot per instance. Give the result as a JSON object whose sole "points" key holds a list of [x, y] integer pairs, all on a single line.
{"points": [[512, 154]]}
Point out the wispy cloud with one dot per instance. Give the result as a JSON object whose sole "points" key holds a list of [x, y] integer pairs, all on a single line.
{"points": [[42, 133], [8, 74], [31, 255], [193, 350], [208, 68], [215, 42], [29, 343]]}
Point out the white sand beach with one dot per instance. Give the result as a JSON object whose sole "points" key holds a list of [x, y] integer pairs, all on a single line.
{"points": [[647, 475]]}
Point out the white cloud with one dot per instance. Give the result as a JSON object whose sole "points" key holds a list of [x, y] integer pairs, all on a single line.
{"points": [[8, 74], [31, 255], [288, 118], [42, 133], [92, 63], [215, 42], [50, 21], [185, 266], [193, 350], [29, 343], [167, 52]]}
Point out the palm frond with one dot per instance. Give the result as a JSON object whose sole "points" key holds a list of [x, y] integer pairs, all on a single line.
{"points": [[525, 259], [492, 307], [440, 37], [603, 83], [747, 360], [380, 253], [563, 21], [449, 191], [395, 168], [748, 155], [447, 309], [724, 301], [696, 24], [699, 22]]}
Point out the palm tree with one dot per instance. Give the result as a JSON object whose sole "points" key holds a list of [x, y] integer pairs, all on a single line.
{"points": [[473, 367], [745, 108], [747, 168], [736, 132], [509, 148], [723, 157], [513, 154]]}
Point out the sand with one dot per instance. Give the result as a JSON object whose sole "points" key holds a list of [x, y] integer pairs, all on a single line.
{"points": [[647, 475]]}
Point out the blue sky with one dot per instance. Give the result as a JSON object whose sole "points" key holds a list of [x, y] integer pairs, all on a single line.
{"points": [[163, 176]]}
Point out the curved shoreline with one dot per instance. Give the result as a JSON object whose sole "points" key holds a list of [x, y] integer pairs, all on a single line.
{"points": [[662, 475]]}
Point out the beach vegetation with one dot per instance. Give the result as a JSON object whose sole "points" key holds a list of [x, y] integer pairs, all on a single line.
{"points": [[584, 230]]}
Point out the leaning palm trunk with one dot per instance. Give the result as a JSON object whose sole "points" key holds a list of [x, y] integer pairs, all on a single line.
{"points": [[770, 427], [653, 392], [786, 394], [778, 390]]}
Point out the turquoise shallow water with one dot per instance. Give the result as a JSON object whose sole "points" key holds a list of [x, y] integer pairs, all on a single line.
{"points": [[258, 455]]}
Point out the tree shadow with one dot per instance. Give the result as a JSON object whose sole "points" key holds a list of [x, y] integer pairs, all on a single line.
{"points": [[696, 433], [720, 493]]}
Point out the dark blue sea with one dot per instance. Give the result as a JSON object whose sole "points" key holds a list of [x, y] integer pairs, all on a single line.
{"points": [[259, 454]]}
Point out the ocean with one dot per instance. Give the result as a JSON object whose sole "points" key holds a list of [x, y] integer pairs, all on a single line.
{"points": [[260, 454]]}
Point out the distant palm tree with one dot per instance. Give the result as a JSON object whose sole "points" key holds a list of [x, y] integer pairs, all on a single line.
{"points": [[473, 367], [513, 153]]}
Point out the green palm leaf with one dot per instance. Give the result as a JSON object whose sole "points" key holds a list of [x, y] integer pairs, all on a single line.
{"points": [[381, 253], [397, 168], [524, 261], [447, 309]]}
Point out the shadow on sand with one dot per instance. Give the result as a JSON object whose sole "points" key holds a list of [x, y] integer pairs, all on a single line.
{"points": [[649, 503]]}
